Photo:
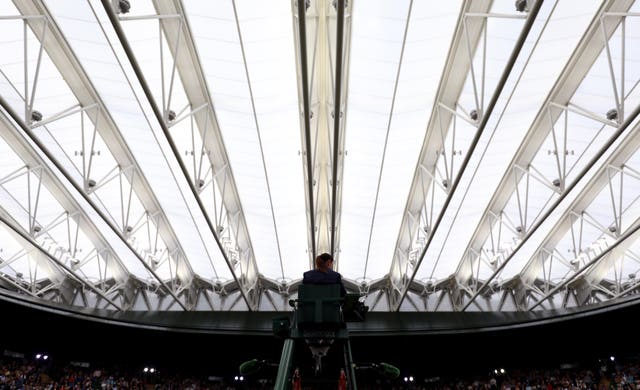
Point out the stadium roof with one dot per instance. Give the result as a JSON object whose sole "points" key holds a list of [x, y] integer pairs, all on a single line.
{"points": [[169, 155]]}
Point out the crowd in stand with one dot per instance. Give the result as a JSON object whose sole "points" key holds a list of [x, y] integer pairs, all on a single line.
{"points": [[16, 373], [32, 374]]}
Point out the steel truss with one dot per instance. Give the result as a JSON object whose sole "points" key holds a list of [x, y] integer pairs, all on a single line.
{"points": [[436, 176], [205, 165], [322, 31], [98, 128], [512, 212]]}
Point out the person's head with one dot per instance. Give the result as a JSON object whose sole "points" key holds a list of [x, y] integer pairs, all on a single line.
{"points": [[324, 262]]}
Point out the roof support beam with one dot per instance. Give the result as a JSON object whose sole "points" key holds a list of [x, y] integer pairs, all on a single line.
{"points": [[577, 212], [231, 233], [70, 68], [579, 64], [588, 271], [322, 34], [339, 105], [73, 210], [57, 266], [187, 64], [411, 241], [402, 272]]}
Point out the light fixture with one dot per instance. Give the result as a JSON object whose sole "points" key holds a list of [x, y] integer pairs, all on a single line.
{"points": [[612, 114], [171, 115], [200, 183], [521, 5], [473, 115], [519, 229], [445, 183], [613, 228], [556, 182], [36, 116], [123, 6], [91, 183]]}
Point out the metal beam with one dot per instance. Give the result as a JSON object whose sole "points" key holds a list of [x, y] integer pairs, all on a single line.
{"points": [[338, 123], [451, 84], [620, 245], [27, 240], [627, 148], [577, 67], [449, 90], [246, 281], [57, 189], [187, 63], [322, 34], [300, 34], [70, 68]]}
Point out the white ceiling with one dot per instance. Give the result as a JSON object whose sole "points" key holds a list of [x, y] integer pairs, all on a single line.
{"points": [[184, 149]]}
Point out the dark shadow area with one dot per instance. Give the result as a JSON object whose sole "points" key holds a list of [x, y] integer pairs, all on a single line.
{"points": [[574, 341]]}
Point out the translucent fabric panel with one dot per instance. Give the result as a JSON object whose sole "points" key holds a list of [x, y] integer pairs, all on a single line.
{"points": [[383, 145], [259, 120], [547, 45], [114, 85]]}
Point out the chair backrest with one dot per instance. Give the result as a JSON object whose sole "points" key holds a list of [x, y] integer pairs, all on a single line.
{"points": [[319, 305]]}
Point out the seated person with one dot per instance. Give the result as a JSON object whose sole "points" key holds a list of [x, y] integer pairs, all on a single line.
{"points": [[324, 274]]}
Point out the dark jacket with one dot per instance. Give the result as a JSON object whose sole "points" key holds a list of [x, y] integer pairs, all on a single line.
{"points": [[319, 277]]}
